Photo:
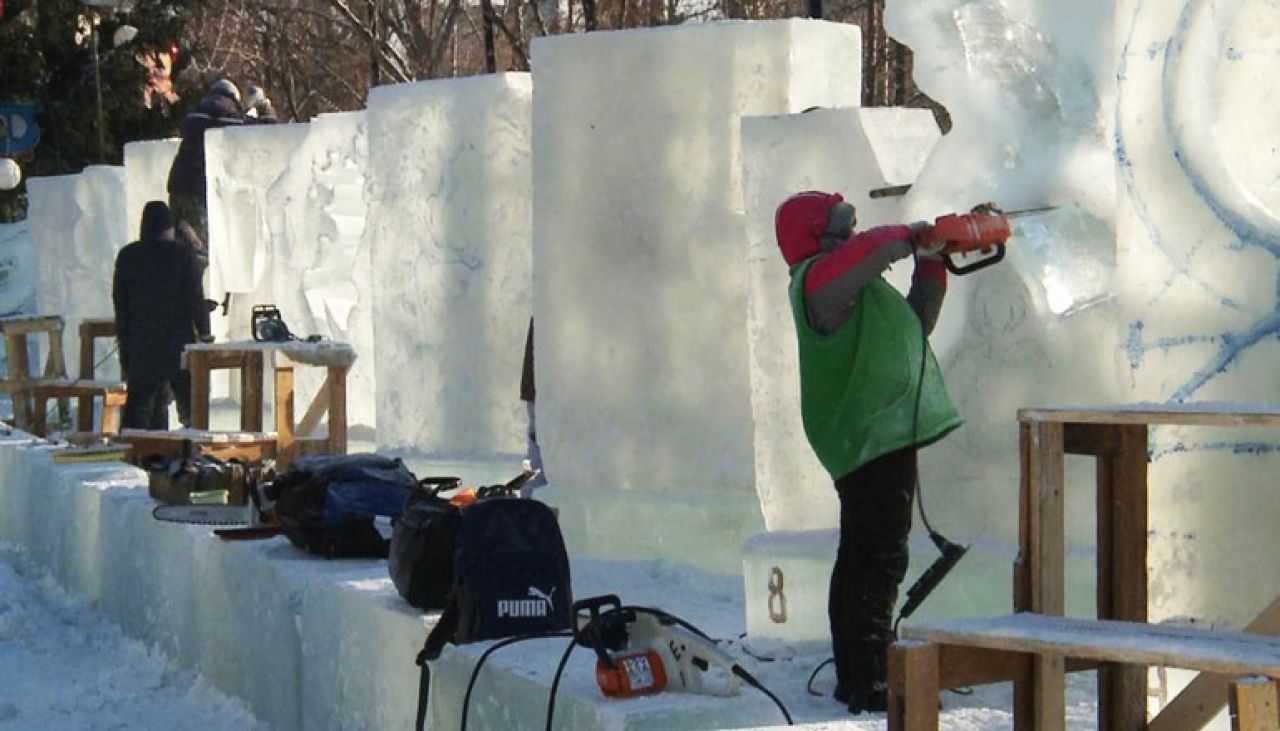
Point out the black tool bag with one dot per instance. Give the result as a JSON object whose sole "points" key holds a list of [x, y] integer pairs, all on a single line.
{"points": [[423, 543], [175, 479], [327, 505], [511, 578]]}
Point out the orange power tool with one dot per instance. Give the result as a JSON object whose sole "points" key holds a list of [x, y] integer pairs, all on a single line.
{"points": [[985, 231]]}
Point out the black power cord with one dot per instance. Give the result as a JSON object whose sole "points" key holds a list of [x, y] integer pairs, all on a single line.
{"points": [[666, 618], [475, 671], [951, 552]]}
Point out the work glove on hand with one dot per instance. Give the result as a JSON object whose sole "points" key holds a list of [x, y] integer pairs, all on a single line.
{"points": [[922, 239]]}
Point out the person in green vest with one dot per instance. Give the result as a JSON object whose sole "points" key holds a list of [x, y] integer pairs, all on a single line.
{"points": [[871, 395]]}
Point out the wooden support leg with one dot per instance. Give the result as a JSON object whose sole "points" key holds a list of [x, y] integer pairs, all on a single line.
{"points": [[84, 404], [251, 392], [39, 416], [1040, 704], [284, 415], [337, 380], [1122, 569], [19, 360], [913, 686], [1253, 705], [198, 365]]}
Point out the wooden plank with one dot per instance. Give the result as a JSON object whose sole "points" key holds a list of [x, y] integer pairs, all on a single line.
{"points": [[199, 369], [55, 365], [1253, 705], [18, 358], [28, 324], [316, 411], [1123, 689], [913, 686], [1144, 414], [1222, 651], [1047, 518], [86, 352], [337, 380], [284, 413], [1090, 439], [1205, 696], [251, 398], [960, 667]]}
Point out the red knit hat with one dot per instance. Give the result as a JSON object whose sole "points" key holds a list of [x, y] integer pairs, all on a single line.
{"points": [[800, 222]]}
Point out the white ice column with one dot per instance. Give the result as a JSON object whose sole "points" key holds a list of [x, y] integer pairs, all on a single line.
{"points": [[146, 177], [850, 151], [321, 268], [449, 230], [78, 226], [640, 245], [1199, 252]]}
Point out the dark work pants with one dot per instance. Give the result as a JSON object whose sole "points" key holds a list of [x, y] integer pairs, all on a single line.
{"points": [[147, 404], [871, 561]]}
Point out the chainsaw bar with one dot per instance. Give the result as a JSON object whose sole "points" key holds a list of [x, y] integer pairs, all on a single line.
{"points": [[203, 514]]}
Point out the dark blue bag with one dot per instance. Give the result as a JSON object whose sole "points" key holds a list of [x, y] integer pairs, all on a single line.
{"points": [[327, 504]]}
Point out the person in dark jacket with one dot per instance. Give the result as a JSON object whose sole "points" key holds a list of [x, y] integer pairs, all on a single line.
{"points": [[220, 107], [871, 395], [160, 309]]}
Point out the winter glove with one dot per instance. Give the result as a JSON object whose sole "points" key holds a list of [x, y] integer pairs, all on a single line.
{"points": [[922, 239]]}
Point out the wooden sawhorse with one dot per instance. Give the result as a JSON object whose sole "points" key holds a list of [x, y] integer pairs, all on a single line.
{"points": [[293, 437], [20, 380]]}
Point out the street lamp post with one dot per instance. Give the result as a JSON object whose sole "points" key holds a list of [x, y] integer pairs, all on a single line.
{"points": [[95, 19]]}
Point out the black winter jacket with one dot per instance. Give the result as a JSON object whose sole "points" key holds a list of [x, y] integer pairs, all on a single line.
{"points": [[186, 176], [159, 303]]}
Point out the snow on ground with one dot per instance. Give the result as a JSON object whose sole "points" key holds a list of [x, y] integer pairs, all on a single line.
{"points": [[66, 667]]}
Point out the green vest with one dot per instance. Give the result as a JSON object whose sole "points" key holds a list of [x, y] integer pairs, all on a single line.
{"points": [[859, 384]]}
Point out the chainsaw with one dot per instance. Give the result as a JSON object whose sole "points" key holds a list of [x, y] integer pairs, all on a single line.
{"points": [[642, 651], [977, 237]]}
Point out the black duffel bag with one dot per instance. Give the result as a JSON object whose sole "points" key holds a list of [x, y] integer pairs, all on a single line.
{"points": [[422, 544]]}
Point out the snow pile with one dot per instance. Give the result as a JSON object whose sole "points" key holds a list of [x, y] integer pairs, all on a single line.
{"points": [[66, 666]]}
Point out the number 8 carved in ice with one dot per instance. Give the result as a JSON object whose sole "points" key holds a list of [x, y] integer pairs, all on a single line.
{"points": [[779, 615]]}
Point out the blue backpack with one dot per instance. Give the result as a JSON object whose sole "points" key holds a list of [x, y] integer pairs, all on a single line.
{"points": [[327, 505]]}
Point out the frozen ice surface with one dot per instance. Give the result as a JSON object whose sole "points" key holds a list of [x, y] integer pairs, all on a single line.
{"points": [[449, 195], [146, 177], [322, 274], [1199, 232], [853, 151], [640, 278], [78, 226], [241, 164], [1030, 87]]}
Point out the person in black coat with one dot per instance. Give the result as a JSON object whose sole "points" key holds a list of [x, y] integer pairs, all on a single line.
{"points": [[160, 309], [220, 107]]}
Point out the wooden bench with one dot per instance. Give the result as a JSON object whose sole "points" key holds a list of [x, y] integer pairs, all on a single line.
{"points": [[112, 393], [246, 446], [963, 652]]}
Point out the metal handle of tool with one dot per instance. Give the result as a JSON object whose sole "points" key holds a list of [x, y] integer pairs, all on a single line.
{"points": [[983, 263]]}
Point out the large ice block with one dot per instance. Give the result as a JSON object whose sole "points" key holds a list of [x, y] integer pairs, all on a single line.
{"points": [[1030, 88], [78, 226], [853, 151], [449, 221], [146, 176], [241, 164], [640, 278], [1199, 241], [321, 270]]}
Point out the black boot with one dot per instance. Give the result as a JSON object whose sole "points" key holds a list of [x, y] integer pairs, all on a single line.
{"points": [[868, 689]]}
